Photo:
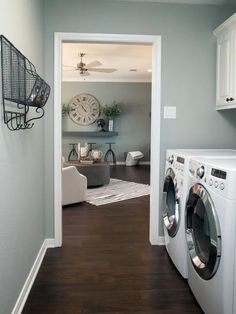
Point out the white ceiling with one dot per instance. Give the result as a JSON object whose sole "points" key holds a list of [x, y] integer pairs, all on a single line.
{"points": [[186, 1], [121, 57]]}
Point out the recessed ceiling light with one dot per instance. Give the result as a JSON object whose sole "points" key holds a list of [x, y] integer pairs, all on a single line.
{"points": [[133, 70], [149, 70]]}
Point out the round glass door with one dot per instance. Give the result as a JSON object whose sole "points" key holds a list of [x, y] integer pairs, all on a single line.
{"points": [[202, 232], [171, 213]]}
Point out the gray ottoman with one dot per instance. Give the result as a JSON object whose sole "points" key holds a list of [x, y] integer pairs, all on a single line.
{"points": [[97, 173]]}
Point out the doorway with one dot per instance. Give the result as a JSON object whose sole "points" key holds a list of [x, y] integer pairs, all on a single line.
{"points": [[155, 41]]}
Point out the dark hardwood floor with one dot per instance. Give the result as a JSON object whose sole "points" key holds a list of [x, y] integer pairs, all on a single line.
{"points": [[140, 174], [106, 264]]}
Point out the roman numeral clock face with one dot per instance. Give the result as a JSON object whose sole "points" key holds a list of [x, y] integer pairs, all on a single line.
{"points": [[84, 109]]}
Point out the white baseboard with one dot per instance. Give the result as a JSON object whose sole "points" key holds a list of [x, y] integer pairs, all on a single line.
{"points": [[48, 243], [157, 240], [145, 163], [161, 240], [121, 163]]}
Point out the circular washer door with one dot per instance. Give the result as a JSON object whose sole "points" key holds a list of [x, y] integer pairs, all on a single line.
{"points": [[202, 232], [171, 214]]}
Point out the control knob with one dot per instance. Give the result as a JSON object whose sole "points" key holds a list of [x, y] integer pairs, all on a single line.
{"points": [[170, 159], [200, 172]]}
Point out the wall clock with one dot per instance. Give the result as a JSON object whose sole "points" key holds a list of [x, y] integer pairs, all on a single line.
{"points": [[84, 109]]}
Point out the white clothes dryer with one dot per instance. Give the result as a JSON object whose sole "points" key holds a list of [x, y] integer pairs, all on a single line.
{"points": [[211, 233], [175, 191]]}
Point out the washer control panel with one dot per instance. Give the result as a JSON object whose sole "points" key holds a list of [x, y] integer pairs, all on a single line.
{"points": [[217, 184], [200, 172], [214, 178]]}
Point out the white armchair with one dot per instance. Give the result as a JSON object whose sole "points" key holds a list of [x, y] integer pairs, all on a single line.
{"points": [[74, 186]]}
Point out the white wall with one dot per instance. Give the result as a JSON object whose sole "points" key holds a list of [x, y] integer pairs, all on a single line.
{"points": [[21, 163]]}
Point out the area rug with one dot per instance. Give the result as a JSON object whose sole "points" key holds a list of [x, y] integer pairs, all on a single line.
{"points": [[116, 191]]}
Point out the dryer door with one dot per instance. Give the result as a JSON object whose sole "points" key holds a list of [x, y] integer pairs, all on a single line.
{"points": [[202, 232], [171, 214]]}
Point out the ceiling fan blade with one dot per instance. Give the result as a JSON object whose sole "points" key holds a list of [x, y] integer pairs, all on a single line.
{"points": [[70, 70], [105, 70], [93, 64], [68, 66]]}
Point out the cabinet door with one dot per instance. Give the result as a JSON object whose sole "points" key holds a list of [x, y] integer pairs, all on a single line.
{"points": [[223, 71], [233, 69]]}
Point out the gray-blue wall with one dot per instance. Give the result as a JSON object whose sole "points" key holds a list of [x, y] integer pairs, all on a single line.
{"points": [[21, 164], [188, 67], [133, 125]]}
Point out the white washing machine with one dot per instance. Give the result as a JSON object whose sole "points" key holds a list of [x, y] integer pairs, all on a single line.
{"points": [[175, 191], [211, 233]]}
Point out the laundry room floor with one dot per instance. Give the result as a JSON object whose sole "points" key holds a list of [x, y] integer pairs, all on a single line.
{"points": [[106, 264]]}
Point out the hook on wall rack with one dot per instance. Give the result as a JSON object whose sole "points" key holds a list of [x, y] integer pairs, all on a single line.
{"points": [[24, 92]]}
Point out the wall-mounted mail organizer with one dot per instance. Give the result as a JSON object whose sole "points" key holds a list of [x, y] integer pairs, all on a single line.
{"points": [[24, 92]]}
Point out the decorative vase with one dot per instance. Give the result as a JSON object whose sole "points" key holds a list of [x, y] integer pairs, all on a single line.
{"points": [[84, 150], [110, 125], [96, 155]]}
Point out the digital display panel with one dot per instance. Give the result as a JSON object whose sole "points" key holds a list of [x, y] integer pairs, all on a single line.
{"points": [[180, 159], [218, 173]]}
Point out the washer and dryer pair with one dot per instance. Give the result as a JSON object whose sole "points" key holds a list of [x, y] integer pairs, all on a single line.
{"points": [[200, 207], [175, 192]]}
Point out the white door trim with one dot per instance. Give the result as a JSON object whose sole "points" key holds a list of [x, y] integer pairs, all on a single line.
{"points": [[155, 41]]}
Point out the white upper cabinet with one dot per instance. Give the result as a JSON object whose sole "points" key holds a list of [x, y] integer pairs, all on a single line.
{"points": [[226, 64]]}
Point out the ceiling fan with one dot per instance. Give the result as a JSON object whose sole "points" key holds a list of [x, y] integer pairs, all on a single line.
{"points": [[84, 69]]}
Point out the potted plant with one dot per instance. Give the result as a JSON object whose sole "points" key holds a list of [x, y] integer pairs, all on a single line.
{"points": [[65, 117], [64, 110], [111, 111]]}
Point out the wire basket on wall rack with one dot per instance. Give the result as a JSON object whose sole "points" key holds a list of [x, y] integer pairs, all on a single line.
{"points": [[22, 88]]}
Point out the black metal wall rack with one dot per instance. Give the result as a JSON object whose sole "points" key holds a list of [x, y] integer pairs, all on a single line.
{"points": [[24, 92]]}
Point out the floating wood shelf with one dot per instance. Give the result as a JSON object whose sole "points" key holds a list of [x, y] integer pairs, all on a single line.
{"points": [[90, 133]]}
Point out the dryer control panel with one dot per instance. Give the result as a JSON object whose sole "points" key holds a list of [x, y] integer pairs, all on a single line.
{"points": [[176, 163]]}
